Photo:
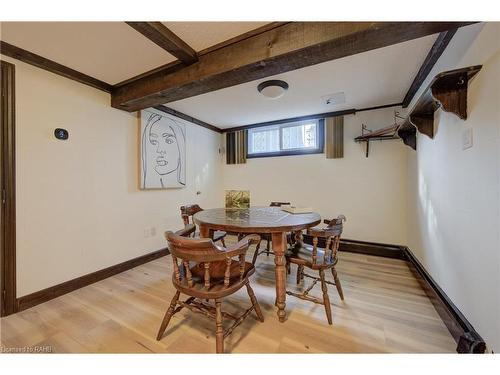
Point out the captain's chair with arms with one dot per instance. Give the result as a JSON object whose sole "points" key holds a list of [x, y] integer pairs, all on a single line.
{"points": [[205, 271]]}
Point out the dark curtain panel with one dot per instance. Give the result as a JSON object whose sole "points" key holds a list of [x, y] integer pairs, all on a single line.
{"points": [[236, 147], [334, 137]]}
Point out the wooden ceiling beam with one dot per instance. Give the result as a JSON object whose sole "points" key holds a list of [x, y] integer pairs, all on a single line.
{"points": [[288, 47], [432, 57], [177, 64], [159, 34]]}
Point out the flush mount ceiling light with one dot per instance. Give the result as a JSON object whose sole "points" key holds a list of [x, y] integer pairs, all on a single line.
{"points": [[273, 89]]}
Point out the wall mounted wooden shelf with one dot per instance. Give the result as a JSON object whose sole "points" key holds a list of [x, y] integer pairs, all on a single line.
{"points": [[448, 90], [384, 134]]}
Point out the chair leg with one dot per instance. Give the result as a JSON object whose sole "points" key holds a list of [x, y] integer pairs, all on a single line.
{"points": [[255, 303], [257, 248], [326, 299], [268, 247], [337, 283], [223, 242], [168, 315], [288, 268], [300, 274], [219, 332]]}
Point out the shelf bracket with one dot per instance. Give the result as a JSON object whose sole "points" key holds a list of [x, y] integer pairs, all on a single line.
{"points": [[408, 134], [448, 90], [424, 123], [454, 100]]}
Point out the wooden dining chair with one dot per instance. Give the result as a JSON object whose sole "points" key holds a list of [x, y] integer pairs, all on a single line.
{"points": [[214, 275], [267, 237], [187, 213], [318, 250]]}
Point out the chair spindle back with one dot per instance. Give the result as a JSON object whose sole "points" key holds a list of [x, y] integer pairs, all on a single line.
{"points": [[208, 257], [188, 211], [331, 238]]}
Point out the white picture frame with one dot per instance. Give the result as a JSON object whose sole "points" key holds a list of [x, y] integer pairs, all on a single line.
{"points": [[162, 151]]}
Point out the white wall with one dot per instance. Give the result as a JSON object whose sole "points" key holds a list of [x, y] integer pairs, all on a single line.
{"points": [[453, 200], [79, 208], [370, 192]]}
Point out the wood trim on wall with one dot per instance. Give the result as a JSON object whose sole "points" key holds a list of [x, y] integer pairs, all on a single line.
{"points": [[292, 119], [44, 295], [432, 57], [466, 337], [371, 248], [468, 340], [183, 116], [324, 115], [8, 190], [51, 66]]}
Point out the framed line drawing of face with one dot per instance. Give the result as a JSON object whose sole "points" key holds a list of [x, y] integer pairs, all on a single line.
{"points": [[163, 151]]}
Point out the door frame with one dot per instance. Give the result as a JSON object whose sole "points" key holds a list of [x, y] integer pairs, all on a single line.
{"points": [[8, 190]]}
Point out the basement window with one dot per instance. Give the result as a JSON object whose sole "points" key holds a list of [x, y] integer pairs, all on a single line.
{"points": [[297, 138]]}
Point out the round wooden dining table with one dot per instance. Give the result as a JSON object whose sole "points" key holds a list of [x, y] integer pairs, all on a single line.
{"points": [[260, 220]]}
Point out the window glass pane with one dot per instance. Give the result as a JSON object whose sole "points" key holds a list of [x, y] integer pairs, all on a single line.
{"points": [[284, 138], [263, 140], [300, 136]]}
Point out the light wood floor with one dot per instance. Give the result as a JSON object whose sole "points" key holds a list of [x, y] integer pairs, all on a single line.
{"points": [[384, 310]]}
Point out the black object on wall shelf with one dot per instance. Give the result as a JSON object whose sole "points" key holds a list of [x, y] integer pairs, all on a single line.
{"points": [[448, 90]]}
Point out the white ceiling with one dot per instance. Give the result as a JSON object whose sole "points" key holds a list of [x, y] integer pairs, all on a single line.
{"points": [[112, 51], [109, 51], [201, 35], [372, 78]]}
